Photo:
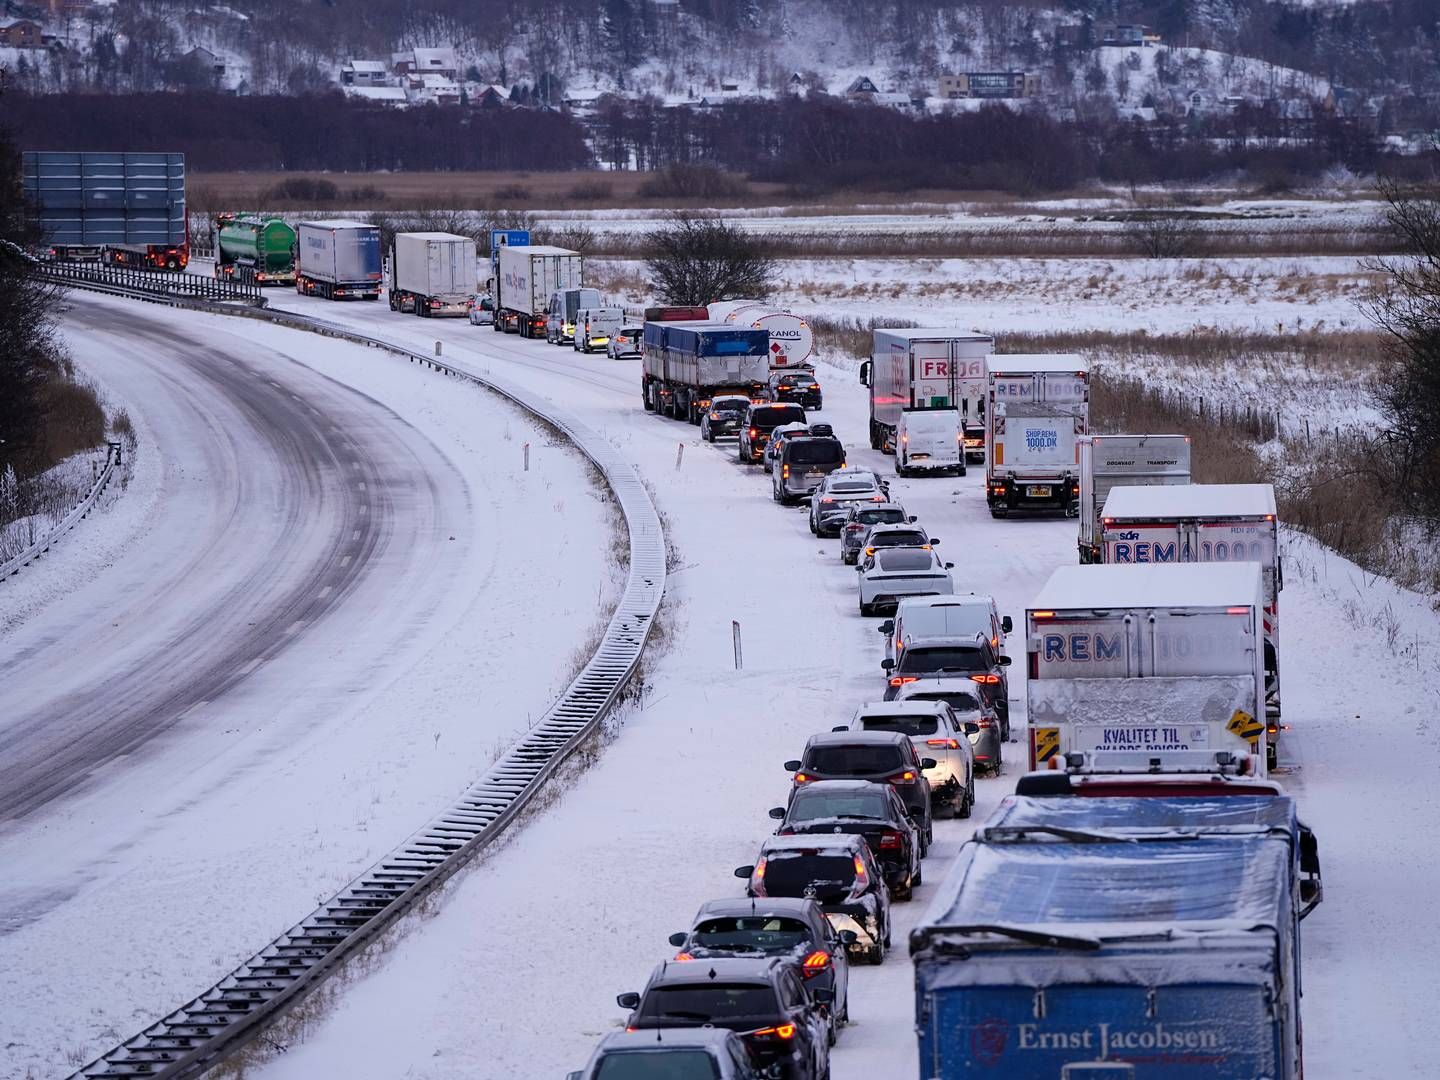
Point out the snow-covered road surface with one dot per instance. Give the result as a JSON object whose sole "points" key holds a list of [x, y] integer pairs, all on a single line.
{"points": [[516, 975], [322, 623]]}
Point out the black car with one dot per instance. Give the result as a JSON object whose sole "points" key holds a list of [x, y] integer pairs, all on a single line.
{"points": [[882, 757], [764, 1001], [837, 870], [788, 928], [723, 417], [873, 811], [800, 387], [975, 659], [761, 419]]}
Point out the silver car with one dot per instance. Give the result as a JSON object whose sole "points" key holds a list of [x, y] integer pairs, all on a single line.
{"points": [[936, 732], [976, 718], [892, 573], [890, 534], [625, 343], [857, 521], [482, 310], [832, 499], [676, 1051]]}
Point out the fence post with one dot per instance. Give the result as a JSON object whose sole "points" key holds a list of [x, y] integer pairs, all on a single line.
{"points": [[735, 636]]}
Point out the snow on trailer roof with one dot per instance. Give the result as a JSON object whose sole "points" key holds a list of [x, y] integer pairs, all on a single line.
{"points": [[336, 224], [1191, 500], [1025, 363], [1168, 585], [540, 249], [1114, 889], [1137, 814], [934, 333]]}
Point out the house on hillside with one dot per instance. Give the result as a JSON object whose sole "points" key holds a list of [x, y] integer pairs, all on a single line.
{"points": [[862, 88], [433, 88], [207, 61], [413, 62], [581, 99], [22, 34], [364, 73], [989, 84], [894, 100], [491, 97], [1130, 35]]}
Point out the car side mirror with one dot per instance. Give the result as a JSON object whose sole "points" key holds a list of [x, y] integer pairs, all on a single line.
{"points": [[849, 937], [934, 540], [575, 1076], [949, 566], [912, 519], [677, 939], [1007, 624], [888, 626], [887, 664], [859, 568], [841, 727], [628, 1001], [1003, 661], [744, 871], [865, 373], [778, 813], [927, 763], [792, 766]]}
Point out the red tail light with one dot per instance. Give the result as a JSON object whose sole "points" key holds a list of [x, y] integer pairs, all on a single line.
{"points": [[783, 1031], [801, 778], [784, 472], [753, 433], [906, 777], [684, 956], [949, 744], [757, 879], [862, 876], [988, 680], [984, 722], [901, 680], [817, 962], [890, 841]]}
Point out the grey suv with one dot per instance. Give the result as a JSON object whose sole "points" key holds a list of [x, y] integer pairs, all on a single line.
{"points": [[761, 419], [802, 465]]}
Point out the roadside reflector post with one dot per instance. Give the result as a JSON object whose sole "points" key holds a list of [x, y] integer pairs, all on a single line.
{"points": [[679, 455], [526, 451], [437, 348], [735, 634]]}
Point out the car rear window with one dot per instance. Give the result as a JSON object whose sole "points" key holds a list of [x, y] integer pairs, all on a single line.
{"points": [[880, 517], [919, 724], [852, 488], [815, 452], [905, 559], [772, 416], [856, 760], [730, 406], [791, 873], [720, 1002], [658, 1064], [768, 934], [957, 700], [815, 805], [899, 538], [938, 659]]}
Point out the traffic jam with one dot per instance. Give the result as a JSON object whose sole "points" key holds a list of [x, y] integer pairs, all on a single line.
{"points": [[1133, 910]]}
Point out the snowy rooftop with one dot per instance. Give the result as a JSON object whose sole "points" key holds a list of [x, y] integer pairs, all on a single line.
{"points": [[335, 223], [377, 93], [1191, 500], [539, 249], [1142, 586], [1020, 363], [934, 333]]}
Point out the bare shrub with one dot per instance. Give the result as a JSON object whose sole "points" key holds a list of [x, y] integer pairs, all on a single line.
{"points": [[694, 182], [591, 191], [512, 193], [701, 259], [1158, 234], [302, 189]]}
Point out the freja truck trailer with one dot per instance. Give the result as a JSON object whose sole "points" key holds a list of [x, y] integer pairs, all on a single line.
{"points": [[526, 277], [941, 368], [1036, 409], [432, 274], [339, 260], [124, 209], [1141, 938]]}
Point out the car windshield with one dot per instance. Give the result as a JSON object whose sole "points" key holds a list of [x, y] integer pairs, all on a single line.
{"points": [[919, 724], [814, 805], [906, 558], [957, 700], [772, 416], [791, 873], [853, 760], [768, 934], [932, 660], [899, 538], [880, 517], [721, 1003], [658, 1064], [816, 452]]}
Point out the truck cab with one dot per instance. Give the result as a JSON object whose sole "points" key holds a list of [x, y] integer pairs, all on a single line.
{"points": [[1036, 409]]}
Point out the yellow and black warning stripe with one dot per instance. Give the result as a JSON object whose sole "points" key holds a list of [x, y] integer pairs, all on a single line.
{"points": [[1045, 742], [1247, 727]]}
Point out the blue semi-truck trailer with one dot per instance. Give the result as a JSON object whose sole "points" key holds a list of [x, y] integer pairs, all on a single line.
{"points": [[1082, 938]]}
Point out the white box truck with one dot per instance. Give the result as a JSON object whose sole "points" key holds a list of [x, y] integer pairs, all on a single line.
{"points": [[339, 260], [432, 274], [1204, 523], [928, 368], [1145, 668], [528, 276], [1111, 461], [1036, 409]]}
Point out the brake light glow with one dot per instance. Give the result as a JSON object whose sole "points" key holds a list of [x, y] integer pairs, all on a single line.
{"points": [[949, 744], [988, 680], [869, 551], [815, 963], [1042, 614], [890, 841], [901, 680], [784, 472], [906, 777], [753, 433], [862, 876], [782, 1031], [757, 879], [1237, 611], [683, 956], [714, 416], [801, 778]]}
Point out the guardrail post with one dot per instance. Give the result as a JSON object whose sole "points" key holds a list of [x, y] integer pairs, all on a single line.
{"points": [[437, 348]]}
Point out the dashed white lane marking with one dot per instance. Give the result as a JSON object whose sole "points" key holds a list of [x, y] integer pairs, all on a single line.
{"points": [[252, 665], [345, 560], [295, 627], [355, 535], [362, 485], [194, 708], [364, 510], [326, 591]]}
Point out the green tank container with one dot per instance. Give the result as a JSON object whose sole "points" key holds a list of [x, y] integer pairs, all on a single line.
{"points": [[262, 248]]}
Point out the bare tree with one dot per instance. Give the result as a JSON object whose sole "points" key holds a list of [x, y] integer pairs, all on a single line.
{"points": [[1162, 234], [1407, 309], [700, 259]]}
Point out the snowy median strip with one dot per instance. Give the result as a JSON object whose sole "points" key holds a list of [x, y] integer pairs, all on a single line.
{"points": [[203, 1032]]}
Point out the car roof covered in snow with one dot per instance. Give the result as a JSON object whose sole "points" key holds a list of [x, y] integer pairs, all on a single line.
{"points": [[789, 907], [671, 1038], [899, 708], [832, 842], [1166, 585], [724, 968], [1191, 500], [1021, 363]]}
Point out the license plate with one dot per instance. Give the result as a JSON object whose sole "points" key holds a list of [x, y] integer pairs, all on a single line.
{"points": [[815, 472], [919, 457], [1040, 491]]}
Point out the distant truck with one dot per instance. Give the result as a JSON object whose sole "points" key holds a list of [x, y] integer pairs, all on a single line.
{"points": [[1036, 409], [1111, 461], [527, 276], [432, 274], [1145, 668], [936, 368], [1204, 523], [255, 250], [1119, 939], [792, 342], [687, 364], [126, 209], [338, 260]]}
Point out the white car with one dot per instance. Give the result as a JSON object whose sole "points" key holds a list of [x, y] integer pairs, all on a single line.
{"points": [[482, 310], [892, 573], [626, 342], [936, 732], [972, 713]]}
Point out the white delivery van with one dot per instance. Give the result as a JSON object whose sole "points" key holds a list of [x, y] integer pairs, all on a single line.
{"points": [[930, 440], [595, 326]]}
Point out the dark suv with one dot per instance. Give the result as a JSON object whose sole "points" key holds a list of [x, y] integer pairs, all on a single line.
{"points": [[974, 658], [800, 387], [791, 928], [882, 757], [839, 871], [873, 811], [761, 419], [764, 1001]]}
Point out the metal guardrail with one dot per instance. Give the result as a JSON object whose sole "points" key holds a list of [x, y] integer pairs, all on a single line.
{"points": [[129, 281], [12, 566], [204, 1031]]}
